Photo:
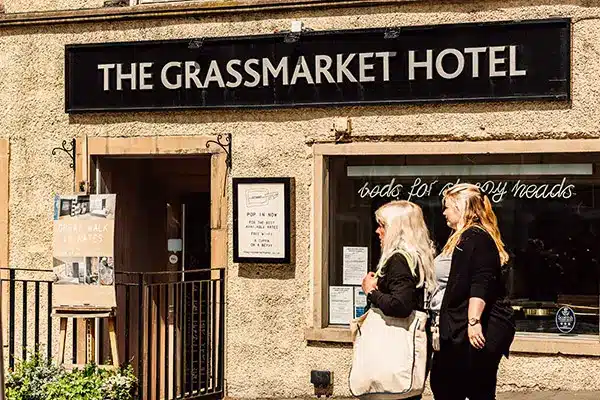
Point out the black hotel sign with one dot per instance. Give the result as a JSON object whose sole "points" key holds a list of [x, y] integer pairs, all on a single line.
{"points": [[466, 62]]}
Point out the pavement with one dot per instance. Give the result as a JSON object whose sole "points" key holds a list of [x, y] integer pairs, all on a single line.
{"points": [[543, 395]]}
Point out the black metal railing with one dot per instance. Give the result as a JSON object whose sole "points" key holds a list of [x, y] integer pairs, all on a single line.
{"points": [[170, 327]]}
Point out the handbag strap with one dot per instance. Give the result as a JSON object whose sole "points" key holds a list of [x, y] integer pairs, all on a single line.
{"points": [[409, 260]]}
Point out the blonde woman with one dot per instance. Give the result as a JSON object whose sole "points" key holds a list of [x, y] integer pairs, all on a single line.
{"points": [[476, 327], [401, 287]]}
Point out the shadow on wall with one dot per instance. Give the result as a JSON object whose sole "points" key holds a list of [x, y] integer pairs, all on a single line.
{"points": [[276, 271], [328, 345], [284, 15], [267, 271], [307, 113]]}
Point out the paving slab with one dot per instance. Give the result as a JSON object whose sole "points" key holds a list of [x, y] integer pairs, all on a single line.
{"points": [[544, 395]]}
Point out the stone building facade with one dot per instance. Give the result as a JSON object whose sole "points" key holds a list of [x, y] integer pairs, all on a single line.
{"points": [[276, 321]]}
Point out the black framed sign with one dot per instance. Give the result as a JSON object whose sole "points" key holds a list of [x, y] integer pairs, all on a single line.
{"points": [[261, 220], [460, 62]]}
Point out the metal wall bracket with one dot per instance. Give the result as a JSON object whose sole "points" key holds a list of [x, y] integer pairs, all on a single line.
{"points": [[70, 150], [197, 43], [291, 37], [225, 146], [392, 33]]}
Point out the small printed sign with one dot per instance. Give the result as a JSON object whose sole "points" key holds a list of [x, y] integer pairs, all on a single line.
{"points": [[360, 302], [261, 218], [565, 319], [341, 301], [355, 264]]}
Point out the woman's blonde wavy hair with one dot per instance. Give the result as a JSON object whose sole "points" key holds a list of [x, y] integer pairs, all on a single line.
{"points": [[476, 211], [405, 230]]}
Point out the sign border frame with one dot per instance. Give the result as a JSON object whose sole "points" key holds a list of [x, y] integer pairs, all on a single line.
{"points": [[451, 100], [287, 185]]}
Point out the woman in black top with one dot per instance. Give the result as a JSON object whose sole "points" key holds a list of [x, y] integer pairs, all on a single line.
{"points": [[475, 327], [399, 289]]}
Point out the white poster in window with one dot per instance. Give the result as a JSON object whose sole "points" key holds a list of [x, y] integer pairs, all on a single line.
{"points": [[354, 265], [341, 304], [360, 302], [261, 220]]}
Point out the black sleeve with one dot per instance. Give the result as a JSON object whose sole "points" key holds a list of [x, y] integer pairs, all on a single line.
{"points": [[400, 302], [483, 265]]}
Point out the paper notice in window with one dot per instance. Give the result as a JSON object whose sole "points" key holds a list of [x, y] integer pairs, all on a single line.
{"points": [[360, 302], [341, 302], [354, 265]]}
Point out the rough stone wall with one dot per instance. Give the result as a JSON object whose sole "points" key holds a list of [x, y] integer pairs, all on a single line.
{"points": [[19, 6], [269, 307]]}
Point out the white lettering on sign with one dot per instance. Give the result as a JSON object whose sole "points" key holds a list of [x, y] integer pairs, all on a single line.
{"points": [[145, 75], [163, 76], [474, 52], [495, 190], [282, 68], [419, 189], [389, 190], [543, 191], [449, 63], [496, 55]]}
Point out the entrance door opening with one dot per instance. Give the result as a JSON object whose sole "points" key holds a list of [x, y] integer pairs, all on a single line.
{"points": [[171, 331]]}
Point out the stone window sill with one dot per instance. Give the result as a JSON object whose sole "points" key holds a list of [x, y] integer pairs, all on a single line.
{"points": [[584, 345]]}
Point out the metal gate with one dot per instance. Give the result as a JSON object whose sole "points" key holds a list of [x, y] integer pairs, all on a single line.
{"points": [[170, 327]]}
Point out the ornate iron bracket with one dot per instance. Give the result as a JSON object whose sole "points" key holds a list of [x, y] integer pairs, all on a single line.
{"points": [[69, 150], [225, 146]]}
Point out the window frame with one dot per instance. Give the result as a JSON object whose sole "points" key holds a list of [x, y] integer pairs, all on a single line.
{"points": [[545, 343]]}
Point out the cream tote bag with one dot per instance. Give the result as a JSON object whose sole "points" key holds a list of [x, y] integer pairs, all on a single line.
{"points": [[390, 355]]}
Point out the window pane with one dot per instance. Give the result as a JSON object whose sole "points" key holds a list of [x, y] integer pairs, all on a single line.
{"points": [[548, 209]]}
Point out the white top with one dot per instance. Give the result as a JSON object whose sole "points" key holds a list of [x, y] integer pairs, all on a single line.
{"points": [[442, 265]]}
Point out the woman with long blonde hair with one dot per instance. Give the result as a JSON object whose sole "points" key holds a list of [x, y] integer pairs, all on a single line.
{"points": [[475, 326], [405, 268]]}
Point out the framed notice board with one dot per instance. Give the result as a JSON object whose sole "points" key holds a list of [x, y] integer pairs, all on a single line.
{"points": [[261, 220]]}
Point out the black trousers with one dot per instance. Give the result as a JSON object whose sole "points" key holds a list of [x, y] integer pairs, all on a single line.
{"points": [[461, 371]]}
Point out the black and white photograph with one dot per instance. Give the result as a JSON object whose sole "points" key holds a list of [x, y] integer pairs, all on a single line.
{"points": [[84, 207], [84, 270]]}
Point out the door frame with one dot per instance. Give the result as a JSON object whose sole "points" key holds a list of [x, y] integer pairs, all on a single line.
{"points": [[141, 146], [87, 147]]}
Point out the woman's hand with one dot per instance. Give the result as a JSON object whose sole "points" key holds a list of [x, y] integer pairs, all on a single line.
{"points": [[369, 283], [476, 336]]}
